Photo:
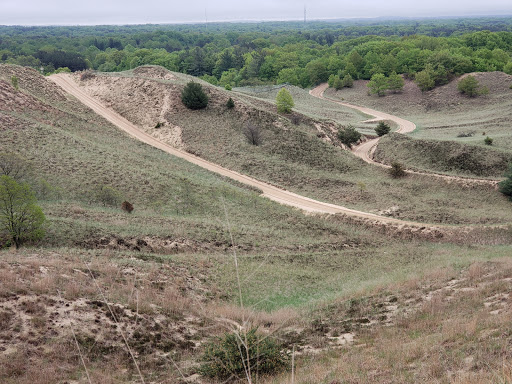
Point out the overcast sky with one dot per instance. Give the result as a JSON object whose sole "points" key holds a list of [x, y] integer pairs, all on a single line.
{"points": [[69, 12]]}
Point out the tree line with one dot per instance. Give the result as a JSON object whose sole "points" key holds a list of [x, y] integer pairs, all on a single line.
{"points": [[263, 53]]}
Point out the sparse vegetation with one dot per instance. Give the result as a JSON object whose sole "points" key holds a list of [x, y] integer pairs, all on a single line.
{"points": [[194, 97], [349, 135], [86, 75], [382, 129], [284, 101], [21, 219]]}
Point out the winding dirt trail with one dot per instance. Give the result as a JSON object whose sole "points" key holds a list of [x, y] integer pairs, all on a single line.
{"points": [[271, 192], [365, 150]]}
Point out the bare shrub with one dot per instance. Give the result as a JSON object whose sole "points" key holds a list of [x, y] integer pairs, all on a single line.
{"points": [[14, 166], [127, 207], [252, 133], [295, 118], [86, 75]]}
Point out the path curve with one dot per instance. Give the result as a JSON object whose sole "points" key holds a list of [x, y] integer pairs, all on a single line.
{"points": [[366, 150], [274, 193]]}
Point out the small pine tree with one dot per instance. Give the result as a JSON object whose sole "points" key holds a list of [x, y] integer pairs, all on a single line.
{"points": [[382, 129], [349, 136], [193, 96], [284, 101], [488, 140], [347, 81], [230, 104]]}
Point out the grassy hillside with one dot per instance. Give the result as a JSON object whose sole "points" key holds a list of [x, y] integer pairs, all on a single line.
{"points": [[442, 156], [164, 277], [444, 114], [304, 158]]}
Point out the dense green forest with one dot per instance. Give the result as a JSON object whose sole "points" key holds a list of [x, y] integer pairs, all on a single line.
{"points": [[302, 54]]}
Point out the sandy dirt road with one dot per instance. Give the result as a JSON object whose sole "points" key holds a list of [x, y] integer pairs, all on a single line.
{"points": [[365, 150], [279, 195]]}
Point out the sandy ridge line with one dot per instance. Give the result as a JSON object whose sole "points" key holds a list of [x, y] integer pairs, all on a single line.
{"points": [[365, 150], [269, 191]]}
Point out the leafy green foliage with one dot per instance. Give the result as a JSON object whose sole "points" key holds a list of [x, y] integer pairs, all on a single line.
{"points": [[425, 80], [469, 86], [488, 140], [235, 354], [194, 97], [508, 68], [382, 128], [395, 82], [284, 101], [349, 136], [20, 218], [397, 170], [378, 84], [505, 186]]}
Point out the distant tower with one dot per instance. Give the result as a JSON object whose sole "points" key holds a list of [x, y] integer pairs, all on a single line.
{"points": [[304, 14]]}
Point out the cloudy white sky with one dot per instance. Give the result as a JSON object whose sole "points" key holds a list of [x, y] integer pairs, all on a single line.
{"points": [[72, 12]]}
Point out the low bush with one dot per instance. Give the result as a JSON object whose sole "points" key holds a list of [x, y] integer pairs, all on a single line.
{"points": [[107, 196], [252, 133], [488, 140], [397, 170], [505, 186], [230, 104], [349, 136], [86, 75], [235, 354]]}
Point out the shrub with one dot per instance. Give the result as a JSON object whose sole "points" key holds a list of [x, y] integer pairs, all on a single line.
{"points": [[86, 75], [349, 136], [295, 118], [397, 170], [127, 207], [488, 140], [505, 186], [14, 82], [382, 129], [284, 101], [159, 124], [230, 103], [232, 355], [228, 87], [469, 86], [107, 196], [252, 133], [20, 218], [193, 96]]}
